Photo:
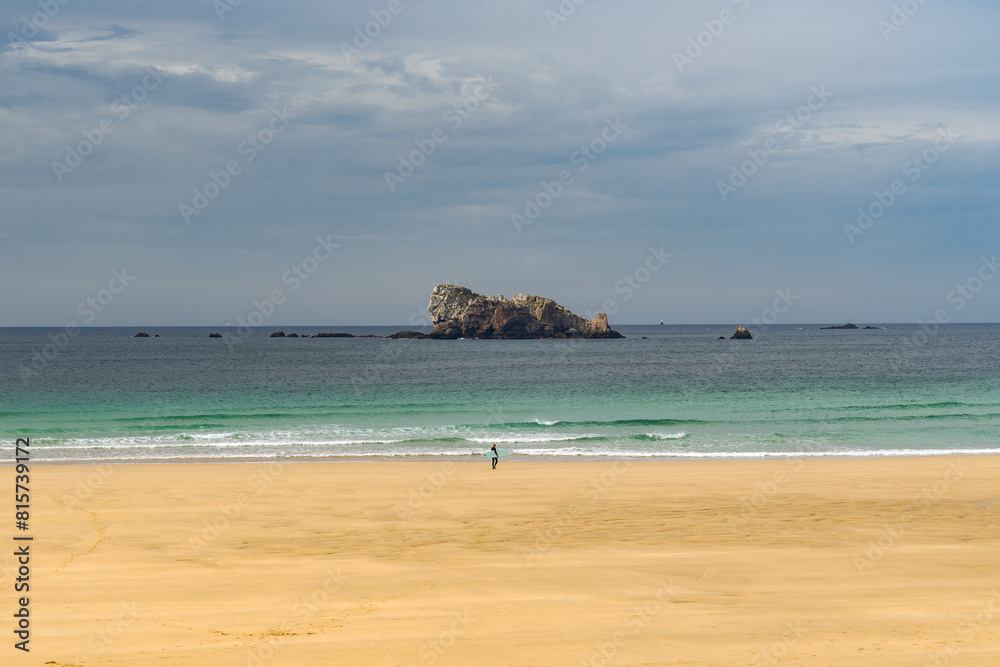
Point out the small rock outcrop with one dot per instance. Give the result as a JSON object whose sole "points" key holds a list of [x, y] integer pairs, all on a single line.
{"points": [[141, 334], [334, 335], [215, 335], [278, 334], [408, 334], [458, 312], [741, 333]]}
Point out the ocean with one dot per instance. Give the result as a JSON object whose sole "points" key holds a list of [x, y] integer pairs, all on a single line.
{"points": [[673, 392]]}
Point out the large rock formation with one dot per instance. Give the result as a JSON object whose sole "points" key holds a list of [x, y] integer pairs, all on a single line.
{"points": [[741, 333], [458, 312]]}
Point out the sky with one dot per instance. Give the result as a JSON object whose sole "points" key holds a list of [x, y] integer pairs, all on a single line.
{"points": [[194, 162]]}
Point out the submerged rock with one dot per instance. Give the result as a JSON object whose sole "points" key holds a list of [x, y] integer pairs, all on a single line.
{"points": [[458, 312], [741, 333], [141, 334]]}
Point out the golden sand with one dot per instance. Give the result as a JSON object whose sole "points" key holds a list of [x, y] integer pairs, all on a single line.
{"points": [[817, 562]]}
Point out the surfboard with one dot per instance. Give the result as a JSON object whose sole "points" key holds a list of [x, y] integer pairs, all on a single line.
{"points": [[500, 452]]}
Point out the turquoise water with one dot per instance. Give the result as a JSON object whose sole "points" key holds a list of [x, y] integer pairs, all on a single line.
{"points": [[679, 392]]}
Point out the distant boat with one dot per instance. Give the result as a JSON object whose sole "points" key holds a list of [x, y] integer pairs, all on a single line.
{"points": [[661, 323], [228, 324]]}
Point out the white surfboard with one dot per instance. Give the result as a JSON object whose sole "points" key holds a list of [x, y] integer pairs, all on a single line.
{"points": [[500, 452]]}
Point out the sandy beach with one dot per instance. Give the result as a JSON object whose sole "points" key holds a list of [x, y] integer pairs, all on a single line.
{"points": [[815, 562]]}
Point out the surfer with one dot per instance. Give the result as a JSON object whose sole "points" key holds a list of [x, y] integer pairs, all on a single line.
{"points": [[496, 456]]}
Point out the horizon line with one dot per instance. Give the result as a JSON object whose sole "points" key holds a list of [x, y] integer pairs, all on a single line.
{"points": [[278, 327]]}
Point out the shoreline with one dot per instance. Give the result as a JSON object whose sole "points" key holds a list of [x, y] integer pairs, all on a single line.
{"points": [[516, 458]]}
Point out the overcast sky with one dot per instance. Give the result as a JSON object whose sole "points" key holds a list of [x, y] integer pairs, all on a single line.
{"points": [[213, 153]]}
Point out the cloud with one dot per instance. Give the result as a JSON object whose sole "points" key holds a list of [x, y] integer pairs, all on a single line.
{"points": [[115, 32], [221, 81]]}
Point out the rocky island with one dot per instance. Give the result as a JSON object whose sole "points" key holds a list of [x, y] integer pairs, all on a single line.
{"points": [[741, 333], [842, 326], [458, 312]]}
